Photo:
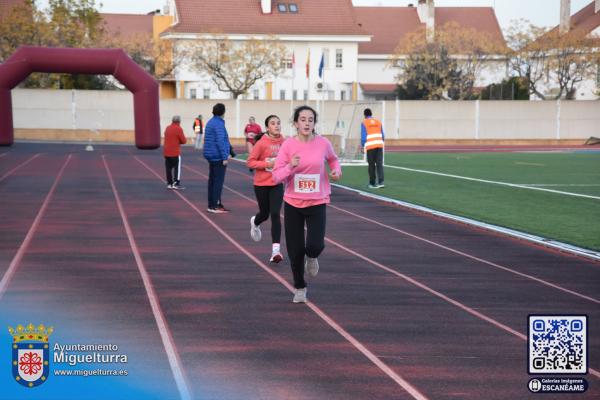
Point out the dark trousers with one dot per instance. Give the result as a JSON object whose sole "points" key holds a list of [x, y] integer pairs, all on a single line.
{"points": [[216, 178], [375, 160], [269, 200], [297, 246], [173, 167]]}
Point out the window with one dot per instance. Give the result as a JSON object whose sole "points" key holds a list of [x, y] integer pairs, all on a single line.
{"points": [[255, 94], [192, 93], [282, 94], [325, 58], [282, 7], [293, 7], [342, 95], [295, 95], [330, 95], [305, 95], [206, 94], [598, 77], [286, 63], [339, 60]]}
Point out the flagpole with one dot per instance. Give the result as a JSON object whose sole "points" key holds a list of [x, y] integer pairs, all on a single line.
{"points": [[293, 79], [308, 77], [323, 101]]}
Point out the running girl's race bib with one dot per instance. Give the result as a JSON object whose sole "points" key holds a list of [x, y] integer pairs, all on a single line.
{"points": [[307, 183]]}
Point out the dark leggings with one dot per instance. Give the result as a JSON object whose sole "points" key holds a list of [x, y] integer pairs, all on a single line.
{"points": [[269, 204], [297, 246]]}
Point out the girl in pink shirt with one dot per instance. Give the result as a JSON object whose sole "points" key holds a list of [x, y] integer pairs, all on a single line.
{"points": [[300, 165], [268, 193]]}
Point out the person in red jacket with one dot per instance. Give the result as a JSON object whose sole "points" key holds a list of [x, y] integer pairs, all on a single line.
{"points": [[268, 194], [174, 137], [250, 131]]}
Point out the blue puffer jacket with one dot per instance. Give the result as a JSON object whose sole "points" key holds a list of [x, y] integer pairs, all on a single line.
{"points": [[216, 140]]}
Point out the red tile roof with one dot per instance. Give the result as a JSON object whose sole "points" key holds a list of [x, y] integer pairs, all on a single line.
{"points": [[389, 25], [127, 24], [584, 21], [314, 17]]}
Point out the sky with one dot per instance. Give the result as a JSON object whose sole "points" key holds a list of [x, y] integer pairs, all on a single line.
{"points": [[539, 12]]}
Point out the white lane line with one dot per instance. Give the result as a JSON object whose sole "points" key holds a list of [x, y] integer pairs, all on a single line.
{"points": [[163, 327], [458, 252], [9, 173], [514, 185], [545, 242], [16, 261], [561, 184], [414, 392], [417, 283]]}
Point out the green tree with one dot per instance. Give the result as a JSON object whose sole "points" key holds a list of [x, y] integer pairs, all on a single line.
{"points": [[514, 88]]}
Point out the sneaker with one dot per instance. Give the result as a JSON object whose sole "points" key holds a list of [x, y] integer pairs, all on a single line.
{"points": [[215, 210], [276, 257], [222, 209], [169, 186], [299, 295], [373, 186], [380, 185], [311, 266], [255, 232], [178, 187]]}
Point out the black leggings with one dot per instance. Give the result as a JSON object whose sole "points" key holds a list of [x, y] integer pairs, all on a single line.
{"points": [[269, 204], [297, 246]]}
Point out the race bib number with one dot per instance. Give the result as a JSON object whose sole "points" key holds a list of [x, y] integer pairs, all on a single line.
{"points": [[307, 183]]}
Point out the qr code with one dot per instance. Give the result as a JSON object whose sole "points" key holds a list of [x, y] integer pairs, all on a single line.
{"points": [[557, 344]]}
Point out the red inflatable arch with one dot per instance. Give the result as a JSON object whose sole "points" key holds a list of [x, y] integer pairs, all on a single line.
{"points": [[83, 61]]}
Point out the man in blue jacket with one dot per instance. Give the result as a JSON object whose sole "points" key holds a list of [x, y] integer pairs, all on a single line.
{"points": [[216, 151]]}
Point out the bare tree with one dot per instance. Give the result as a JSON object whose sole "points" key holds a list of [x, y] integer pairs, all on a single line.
{"points": [[574, 59], [551, 59], [235, 66], [527, 59], [448, 66]]}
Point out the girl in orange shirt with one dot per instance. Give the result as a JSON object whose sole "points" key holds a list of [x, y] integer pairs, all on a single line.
{"points": [[268, 194]]}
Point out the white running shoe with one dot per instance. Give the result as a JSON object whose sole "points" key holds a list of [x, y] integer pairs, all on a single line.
{"points": [[311, 266], [276, 257], [299, 296], [255, 232]]}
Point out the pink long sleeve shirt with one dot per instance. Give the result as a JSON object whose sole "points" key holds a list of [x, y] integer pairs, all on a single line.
{"points": [[307, 184]]}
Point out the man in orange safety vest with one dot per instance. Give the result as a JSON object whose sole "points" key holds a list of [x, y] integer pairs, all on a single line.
{"points": [[371, 139]]}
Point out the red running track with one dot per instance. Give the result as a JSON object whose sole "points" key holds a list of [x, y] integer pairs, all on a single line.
{"points": [[405, 306]]}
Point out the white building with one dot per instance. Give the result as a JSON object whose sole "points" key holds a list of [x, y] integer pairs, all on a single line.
{"points": [[355, 42], [320, 28], [389, 25]]}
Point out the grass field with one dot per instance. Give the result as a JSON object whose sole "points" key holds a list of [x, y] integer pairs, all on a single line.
{"points": [[559, 216]]}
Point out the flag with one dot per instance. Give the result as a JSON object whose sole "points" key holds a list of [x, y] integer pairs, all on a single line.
{"points": [[308, 64], [321, 65], [294, 64]]}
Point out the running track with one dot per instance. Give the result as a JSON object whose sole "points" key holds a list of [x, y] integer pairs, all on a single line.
{"points": [[405, 306]]}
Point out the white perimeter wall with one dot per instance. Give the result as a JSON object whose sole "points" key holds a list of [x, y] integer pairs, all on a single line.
{"points": [[113, 110]]}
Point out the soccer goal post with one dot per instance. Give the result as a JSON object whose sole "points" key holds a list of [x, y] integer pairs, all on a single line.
{"points": [[348, 127]]}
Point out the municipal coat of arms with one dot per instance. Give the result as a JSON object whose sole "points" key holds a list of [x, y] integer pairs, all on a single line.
{"points": [[30, 354]]}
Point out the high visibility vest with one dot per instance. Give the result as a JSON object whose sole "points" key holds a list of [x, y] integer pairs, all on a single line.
{"points": [[374, 135], [197, 125]]}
